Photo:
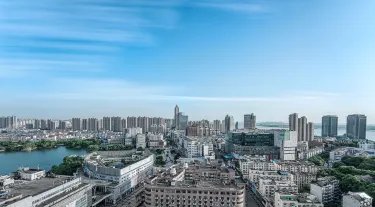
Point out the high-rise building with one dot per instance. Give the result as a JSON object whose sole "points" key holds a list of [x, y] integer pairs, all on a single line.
{"points": [[217, 125], [302, 129], [236, 125], [116, 124], [249, 121], [329, 126], [168, 123], [222, 126], [229, 123], [43, 124], [85, 124], [356, 126], [123, 123], [62, 125], [182, 121], [293, 122], [176, 112], [143, 122], [310, 131], [36, 124], [76, 124], [287, 141], [107, 123], [93, 124], [132, 122], [51, 125]]}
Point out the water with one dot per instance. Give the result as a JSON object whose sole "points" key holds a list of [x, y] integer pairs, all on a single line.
{"points": [[45, 159], [370, 134]]}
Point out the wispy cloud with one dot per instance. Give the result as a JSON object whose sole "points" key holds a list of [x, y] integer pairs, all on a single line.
{"points": [[233, 6]]}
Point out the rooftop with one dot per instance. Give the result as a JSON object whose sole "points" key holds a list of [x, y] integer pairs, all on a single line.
{"points": [[360, 196], [301, 198], [325, 181]]}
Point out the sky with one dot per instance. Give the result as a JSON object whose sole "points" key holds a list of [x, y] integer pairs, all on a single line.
{"points": [[92, 58]]}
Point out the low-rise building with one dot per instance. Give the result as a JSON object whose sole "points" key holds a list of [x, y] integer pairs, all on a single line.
{"points": [[301, 200], [326, 189], [195, 185], [267, 188], [49, 192], [31, 174], [356, 199], [256, 175], [6, 180], [304, 179]]}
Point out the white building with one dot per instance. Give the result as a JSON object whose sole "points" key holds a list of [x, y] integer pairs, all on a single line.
{"points": [[267, 188], [133, 131], [301, 200], [31, 174], [287, 141], [6, 180], [326, 189], [141, 141], [356, 199]]}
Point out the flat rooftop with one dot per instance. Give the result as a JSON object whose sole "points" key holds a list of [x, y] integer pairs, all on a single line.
{"points": [[31, 188]]}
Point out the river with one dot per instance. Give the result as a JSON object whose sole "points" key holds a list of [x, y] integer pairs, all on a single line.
{"points": [[45, 159], [370, 134]]}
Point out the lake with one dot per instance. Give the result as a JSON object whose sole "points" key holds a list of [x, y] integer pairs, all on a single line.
{"points": [[45, 159]]}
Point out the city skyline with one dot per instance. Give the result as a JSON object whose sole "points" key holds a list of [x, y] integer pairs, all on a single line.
{"points": [[139, 58]]}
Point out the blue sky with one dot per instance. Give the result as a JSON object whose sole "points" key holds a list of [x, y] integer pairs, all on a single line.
{"points": [[60, 59]]}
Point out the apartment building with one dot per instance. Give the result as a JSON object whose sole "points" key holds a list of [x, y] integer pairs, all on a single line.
{"points": [[356, 199], [267, 189], [326, 189]]}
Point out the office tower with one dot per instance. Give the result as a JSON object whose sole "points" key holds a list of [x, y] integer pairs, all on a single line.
{"points": [[293, 122], [302, 128], [131, 122], [51, 125], [85, 124], [310, 132], [182, 121], [356, 126], [36, 124], [329, 126], [143, 122], [236, 125], [76, 124], [229, 123], [249, 121], [107, 124], [217, 125], [124, 125], [176, 112], [92, 124]]}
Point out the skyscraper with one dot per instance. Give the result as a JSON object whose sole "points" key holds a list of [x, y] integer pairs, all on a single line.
{"points": [[116, 124], [143, 122], [249, 121], [43, 124], [293, 122], [132, 122], [76, 124], [310, 132], [51, 125], [356, 126], [176, 112], [329, 126], [229, 123], [217, 124], [62, 125], [107, 123], [236, 125], [85, 124], [124, 125], [93, 124], [302, 129], [182, 121]]}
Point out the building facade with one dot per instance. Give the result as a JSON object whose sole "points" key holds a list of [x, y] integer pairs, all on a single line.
{"points": [[293, 122], [356, 126], [249, 121], [329, 126]]}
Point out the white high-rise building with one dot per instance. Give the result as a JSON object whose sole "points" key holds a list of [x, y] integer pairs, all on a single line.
{"points": [[287, 141]]}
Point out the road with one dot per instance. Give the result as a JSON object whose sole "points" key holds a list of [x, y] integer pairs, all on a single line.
{"points": [[251, 200]]}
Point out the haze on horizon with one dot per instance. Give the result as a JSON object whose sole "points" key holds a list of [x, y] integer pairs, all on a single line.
{"points": [[80, 58]]}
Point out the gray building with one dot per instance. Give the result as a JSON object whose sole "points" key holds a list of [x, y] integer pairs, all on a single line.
{"points": [[293, 122], [76, 124], [93, 124], [176, 112], [302, 129], [356, 126], [116, 124], [85, 124], [329, 126], [229, 123], [310, 131], [143, 122], [182, 121], [249, 121], [131, 122], [107, 123]]}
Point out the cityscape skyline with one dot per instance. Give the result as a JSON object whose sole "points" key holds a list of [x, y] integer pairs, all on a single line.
{"points": [[139, 62]]}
